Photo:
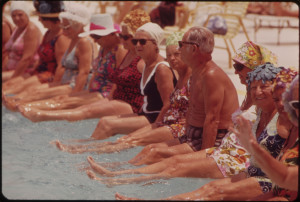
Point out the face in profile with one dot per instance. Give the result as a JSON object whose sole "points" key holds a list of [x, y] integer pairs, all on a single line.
{"points": [[241, 70], [277, 98]]}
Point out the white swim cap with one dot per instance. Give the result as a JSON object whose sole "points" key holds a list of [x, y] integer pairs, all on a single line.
{"points": [[76, 12], [155, 31], [19, 5]]}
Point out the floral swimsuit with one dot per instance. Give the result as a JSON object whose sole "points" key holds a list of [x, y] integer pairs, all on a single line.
{"points": [[103, 66], [47, 64], [175, 118]]}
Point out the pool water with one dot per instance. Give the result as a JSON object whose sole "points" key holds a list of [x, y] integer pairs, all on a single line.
{"points": [[32, 168]]}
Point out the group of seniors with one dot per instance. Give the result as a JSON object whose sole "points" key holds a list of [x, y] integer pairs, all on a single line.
{"points": [[183, 107]]}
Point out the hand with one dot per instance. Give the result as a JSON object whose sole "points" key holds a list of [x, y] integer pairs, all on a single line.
{"points": [[243, 131]]}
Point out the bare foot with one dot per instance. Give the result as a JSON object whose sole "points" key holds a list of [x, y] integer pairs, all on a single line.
{"points": [[91, 175], [59, 145], [122, 197], [99, 169], [30, 112]]}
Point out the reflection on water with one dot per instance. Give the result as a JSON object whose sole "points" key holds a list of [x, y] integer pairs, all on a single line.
{"points": [[34, 169]]}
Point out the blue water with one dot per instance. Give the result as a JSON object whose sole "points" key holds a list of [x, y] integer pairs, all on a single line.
{"points": [[34, 169]]}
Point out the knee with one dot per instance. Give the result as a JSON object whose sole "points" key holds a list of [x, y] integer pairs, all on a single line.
{"points": [[104, 124]]}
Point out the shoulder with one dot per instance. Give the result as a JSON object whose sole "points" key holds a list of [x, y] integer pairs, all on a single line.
{"points": [[140, 65], [33, 29], [84, 43]]}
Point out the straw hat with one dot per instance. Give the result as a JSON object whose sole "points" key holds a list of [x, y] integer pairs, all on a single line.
{"points": [[48, 9], [101, 25]]}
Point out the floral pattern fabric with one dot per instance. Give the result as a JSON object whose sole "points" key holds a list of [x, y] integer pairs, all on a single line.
{"points": [[103, 66], [47, 64], [175, 118], [290, 158]]}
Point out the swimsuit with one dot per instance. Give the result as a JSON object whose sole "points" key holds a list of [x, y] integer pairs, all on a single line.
{"points": [[175, 118], [103, 66], [270, 140], [152, 100], [47, 64], [70, 63], [193, 137], [290, 158], [127, 81], [15, 51]]}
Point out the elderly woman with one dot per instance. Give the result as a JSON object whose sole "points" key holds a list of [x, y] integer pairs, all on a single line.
{"points": [[76, 61], [245, 60], [271, 129], [50, 51], [173, 123], [125, 98], [228, 160], [23, 44], [159, 85], [284, 171]]}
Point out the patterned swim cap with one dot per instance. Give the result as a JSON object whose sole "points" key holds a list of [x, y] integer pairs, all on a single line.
{"points": [[134, 19], [251, 55], [264, 73], [174, 38], [284, 78]]}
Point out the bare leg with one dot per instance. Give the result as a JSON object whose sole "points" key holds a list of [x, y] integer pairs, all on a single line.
{"points": [[20, 86], [122, 197], [65, 101], [109, 126], [80, 148]]}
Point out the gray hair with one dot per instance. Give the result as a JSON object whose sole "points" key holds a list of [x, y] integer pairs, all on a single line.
{"points": [[287, 96], [203, 37]]}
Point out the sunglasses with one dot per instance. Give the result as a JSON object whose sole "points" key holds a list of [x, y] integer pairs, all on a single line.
{"points": [[125, 37], [238, 67], [180, 43], [294, 104], [96, 37], [142, 41]]}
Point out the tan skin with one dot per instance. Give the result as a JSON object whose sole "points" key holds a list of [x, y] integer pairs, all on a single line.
{"points": [[147, 134], [6, 33], [282, 175], [32, 39], [226, 189], [83, 53], [60, 47], [218, 110]]}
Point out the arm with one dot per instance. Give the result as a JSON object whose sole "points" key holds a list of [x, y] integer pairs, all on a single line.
{"points": [[60, 47], [31, 43], [84, 55], [164, 81], [5, 37], [280, 174], [213, 93]]}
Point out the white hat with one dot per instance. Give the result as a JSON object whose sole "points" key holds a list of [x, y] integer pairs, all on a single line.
{"points": [[155, 31], [76, 12], [101, 24], [19, 5]]}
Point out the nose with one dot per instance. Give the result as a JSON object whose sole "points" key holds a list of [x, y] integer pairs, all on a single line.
{"points": [[258, 91]]}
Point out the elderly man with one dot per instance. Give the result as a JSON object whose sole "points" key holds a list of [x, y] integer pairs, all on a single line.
{"points": [[213, 95], [213, 99]]}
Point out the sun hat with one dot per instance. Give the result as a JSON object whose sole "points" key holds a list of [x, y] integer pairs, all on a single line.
{"points": [[252, 55], [76, 12], [101, 24], [19, 5], [48, 9], [155, 31]]}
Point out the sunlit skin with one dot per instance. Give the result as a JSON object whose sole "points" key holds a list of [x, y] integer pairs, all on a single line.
{"points": [[20, 18]]}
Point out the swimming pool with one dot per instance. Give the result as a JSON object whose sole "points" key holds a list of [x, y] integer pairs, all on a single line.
{"points": [[32, 168]]}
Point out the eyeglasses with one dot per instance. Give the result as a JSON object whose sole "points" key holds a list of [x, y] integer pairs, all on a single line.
{"points": [[238, 67], [125, 37], [96, 37], [180, 43], [294, 104], [65, 27], [142, 41]]}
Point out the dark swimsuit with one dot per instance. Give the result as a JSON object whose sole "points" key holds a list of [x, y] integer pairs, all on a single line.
{"points": [[193, 137]]}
